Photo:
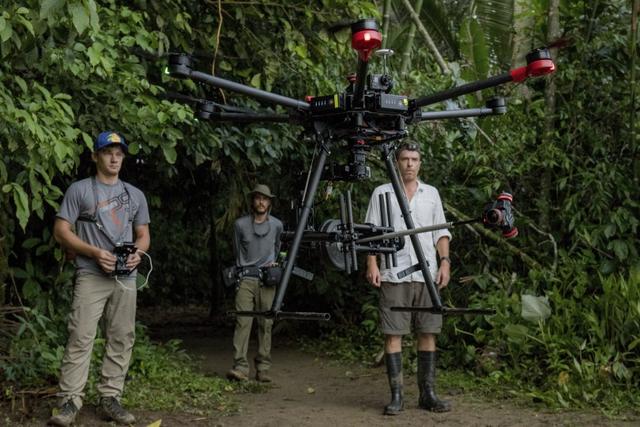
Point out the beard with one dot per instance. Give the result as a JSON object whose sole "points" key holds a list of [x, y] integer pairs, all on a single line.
{"points": [[260, 209]]}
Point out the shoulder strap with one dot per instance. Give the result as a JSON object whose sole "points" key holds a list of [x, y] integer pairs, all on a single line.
{"points": [[94, 217]]}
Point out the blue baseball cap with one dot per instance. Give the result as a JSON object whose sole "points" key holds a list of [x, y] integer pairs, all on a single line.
{"points": [[108, 138]]}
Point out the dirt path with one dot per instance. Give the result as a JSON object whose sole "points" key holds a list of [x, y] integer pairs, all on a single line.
{"points": [[308, 391]]}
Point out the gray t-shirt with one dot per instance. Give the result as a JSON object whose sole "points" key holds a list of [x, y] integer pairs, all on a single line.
{"points": [[120, 208], [256, 244]]}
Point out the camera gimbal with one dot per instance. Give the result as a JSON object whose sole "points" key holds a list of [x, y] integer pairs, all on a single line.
{"points": [[363, 117]]}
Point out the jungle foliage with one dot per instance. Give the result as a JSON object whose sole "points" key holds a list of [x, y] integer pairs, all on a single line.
{"points": [[566, 290]]}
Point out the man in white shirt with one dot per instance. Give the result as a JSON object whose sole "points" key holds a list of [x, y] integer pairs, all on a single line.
{"points": [[426, 209]]}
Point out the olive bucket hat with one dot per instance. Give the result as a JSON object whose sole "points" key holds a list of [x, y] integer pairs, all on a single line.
{"points": [[262, 189]]}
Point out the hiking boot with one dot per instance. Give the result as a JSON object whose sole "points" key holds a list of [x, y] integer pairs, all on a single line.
{"points": [[263, 377], [110, 408], [236, 375], [65, 415]]}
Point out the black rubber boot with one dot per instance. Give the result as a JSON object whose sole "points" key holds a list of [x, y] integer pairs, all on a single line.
{"points": [[426, 383], [394, 372]]}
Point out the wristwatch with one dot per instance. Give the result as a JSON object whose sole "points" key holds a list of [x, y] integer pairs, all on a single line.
{"points": [[445, 258]]}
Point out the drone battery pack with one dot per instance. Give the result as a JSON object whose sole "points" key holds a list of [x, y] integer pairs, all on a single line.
{"points": [[328, 104], [388, 103]]}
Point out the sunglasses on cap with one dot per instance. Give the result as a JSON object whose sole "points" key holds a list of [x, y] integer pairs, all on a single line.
{"points": [[408, 146]]}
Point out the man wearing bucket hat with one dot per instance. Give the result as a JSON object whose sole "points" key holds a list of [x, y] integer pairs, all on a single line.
{"points": [[256, 242], [97, 214]]}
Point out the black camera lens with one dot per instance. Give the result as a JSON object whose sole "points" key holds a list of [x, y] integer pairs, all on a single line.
{"points": [[494, 217]]}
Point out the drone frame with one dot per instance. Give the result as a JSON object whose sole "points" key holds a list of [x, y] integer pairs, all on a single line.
{"points": [[347, 116]]}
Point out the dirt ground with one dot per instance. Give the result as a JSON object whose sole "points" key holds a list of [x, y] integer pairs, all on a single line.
{"points": [[311, 391]]}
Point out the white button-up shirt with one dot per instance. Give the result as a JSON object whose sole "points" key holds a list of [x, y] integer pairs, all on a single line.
{"points": [[426, 209]]}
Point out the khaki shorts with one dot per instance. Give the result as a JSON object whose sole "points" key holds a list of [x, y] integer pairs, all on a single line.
{"points": [[407, 294]]}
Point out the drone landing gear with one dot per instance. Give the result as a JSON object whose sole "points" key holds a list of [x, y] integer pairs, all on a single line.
{"points": [[350, 249], [447, 311], [281, 315]]}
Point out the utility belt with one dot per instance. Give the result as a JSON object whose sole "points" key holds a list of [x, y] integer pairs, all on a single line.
{"points": [[268, 276]]}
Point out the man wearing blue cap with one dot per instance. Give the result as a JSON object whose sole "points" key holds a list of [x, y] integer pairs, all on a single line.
{"points": [[98, 214]]}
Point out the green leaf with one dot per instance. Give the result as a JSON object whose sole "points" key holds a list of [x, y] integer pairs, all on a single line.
{"points": [[620, 248], [94, 53], [3, 172], [6, 32], [30, 289], [93, 13], [27, 24], [170, 154], [21, 83], [88, 141], [60, 149], [30, 243], [633, 344], [134, 148], [21, 201], [80, 17], [19, 273], [301, 50], [609, 230], [535, 308], [48, 8], [607, 266], [255, 80], [515, 332], [474, 47]]}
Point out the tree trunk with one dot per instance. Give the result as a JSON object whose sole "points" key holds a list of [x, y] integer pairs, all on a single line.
{"points": [[521, 39], [385, 22], [432, 46], [632, 75], [408, 47], [545, 202]]}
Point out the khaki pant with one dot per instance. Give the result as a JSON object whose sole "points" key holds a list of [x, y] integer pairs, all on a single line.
{"points": [[252, 297], [93, 296]]}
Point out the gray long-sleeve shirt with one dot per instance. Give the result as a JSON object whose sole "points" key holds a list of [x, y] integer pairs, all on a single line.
{"points": [[256, 244]]}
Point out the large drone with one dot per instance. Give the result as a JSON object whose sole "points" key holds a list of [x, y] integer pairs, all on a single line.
{"points": [[365, 116]]}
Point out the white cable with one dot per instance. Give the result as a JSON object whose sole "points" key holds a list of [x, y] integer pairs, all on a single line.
{"points": [[146, 281]]}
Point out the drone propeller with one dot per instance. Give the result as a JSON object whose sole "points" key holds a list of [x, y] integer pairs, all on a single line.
{"points": [[340, 25], [559, 43]]}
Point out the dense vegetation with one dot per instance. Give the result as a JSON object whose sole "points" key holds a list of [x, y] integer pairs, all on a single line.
{"points": [[566, 290]]}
